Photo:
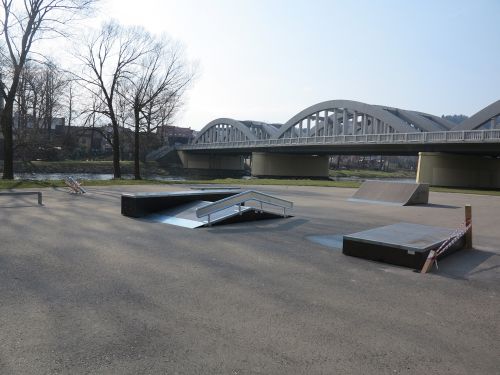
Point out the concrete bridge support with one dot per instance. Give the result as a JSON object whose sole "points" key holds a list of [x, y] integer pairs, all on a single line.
{"points": [[289, 165], [212, 161], [452, 170]]}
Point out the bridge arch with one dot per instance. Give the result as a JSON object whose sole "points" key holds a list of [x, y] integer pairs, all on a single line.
{"points": [[344, 117], [488, 118], [224, 130]]}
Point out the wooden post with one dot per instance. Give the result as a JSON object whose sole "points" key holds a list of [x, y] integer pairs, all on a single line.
{"points": [[468, 220], [428, 262]]}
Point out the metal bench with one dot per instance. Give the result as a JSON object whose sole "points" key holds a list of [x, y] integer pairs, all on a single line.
{"points": [[15, 193]]}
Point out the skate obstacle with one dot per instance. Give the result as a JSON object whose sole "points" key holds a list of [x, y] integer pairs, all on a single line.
{"points": [[193, 209], [23, 193], [392, 192], [74, 186], [409, 245]]}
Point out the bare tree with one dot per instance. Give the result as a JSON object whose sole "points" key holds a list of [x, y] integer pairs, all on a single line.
{"points": [[159, 81], [109, 58], [39, 99], [22, 25]]}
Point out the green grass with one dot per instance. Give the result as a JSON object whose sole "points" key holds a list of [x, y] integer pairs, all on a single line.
{"points": [[272, 181], [364, 173], [438, 189], [25, 184], [30, 184]]}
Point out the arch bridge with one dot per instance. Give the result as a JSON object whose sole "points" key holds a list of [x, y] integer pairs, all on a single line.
{"points": [[351, 127], [358, 125]]}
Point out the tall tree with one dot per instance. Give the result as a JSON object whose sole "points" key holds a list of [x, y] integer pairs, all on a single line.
{"points": [[23, 23], [109, 58], [159, 81]]}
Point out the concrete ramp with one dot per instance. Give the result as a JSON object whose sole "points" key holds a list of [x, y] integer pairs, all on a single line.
{"points": [[392, 192], [194, 209]]}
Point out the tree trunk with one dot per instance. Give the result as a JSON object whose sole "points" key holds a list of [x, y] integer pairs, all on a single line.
{"points": [[8, 142], [137, 168], [116, 151]]}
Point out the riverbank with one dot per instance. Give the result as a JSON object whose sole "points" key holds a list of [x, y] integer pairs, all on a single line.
{"points": [[84, 166], [30, 184], [152, 168]]}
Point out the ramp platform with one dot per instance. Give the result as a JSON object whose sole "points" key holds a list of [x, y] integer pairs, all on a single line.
{"points": [[402, 244], [193, 209], [143, 204], [185, 215], [392, 192]]}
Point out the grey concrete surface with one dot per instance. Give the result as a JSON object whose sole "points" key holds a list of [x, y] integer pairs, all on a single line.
{"points": [[84, 290]]}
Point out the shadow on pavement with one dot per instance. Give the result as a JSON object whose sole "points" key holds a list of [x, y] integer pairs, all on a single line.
{"points": [[464, 263]]}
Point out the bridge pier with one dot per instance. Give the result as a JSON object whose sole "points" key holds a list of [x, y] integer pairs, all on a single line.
{"points": [[453, 170], [212, 161], [289, 165]]}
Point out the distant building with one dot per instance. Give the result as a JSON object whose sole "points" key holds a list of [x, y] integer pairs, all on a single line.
{"points": [[37, 139], [175, 134], [57, 124]]}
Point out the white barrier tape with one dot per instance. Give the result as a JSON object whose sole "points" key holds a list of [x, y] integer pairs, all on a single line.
{"points": [[449, 242]]}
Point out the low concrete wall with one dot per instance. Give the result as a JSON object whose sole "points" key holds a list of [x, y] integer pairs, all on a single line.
{"points": [[289, 165], [210, 161], [438, 169]]}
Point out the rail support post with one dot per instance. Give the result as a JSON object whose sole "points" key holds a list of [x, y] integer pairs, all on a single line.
{"points": [[468, 221]]}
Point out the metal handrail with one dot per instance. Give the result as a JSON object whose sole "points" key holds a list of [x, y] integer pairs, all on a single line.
{"points": [[239, 199], [159, 153], [17, 193], [449, 136]]}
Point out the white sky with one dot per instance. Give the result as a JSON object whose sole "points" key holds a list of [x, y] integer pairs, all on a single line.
{"points": [[269, 59]]}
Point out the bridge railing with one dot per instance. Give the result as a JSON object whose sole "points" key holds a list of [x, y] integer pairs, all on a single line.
{"points": [[388, 138]]}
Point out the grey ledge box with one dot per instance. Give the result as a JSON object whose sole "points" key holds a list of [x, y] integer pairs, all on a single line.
{"points": [[402, 244]]}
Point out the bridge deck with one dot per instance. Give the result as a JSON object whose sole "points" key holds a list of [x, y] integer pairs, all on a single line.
{"points": [[482, 142]]}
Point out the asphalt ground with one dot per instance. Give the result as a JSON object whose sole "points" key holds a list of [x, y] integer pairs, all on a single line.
{"points": [[85, 290]]}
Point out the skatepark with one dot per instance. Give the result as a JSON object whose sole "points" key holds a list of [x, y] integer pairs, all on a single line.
{"points": [[86, 289]]}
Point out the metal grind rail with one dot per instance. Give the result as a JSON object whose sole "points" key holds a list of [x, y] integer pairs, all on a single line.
{"points": [[19, 193], [240, 199]]}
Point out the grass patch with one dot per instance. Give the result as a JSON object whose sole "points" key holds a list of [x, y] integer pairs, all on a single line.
{"points": [[275, 181], [365, 173], [438, 189], [30, 184], [26, 184]]}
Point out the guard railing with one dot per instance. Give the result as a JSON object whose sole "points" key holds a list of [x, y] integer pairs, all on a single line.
{"points": [[468, 136], [242, 198]]}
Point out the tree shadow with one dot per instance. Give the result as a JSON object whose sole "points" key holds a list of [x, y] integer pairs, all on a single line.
{"points": [[267, 225], [464, 263], [22, 205], [436, 205]]}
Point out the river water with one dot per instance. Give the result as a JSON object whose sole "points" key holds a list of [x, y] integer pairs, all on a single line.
{"points": [[88, 176]]}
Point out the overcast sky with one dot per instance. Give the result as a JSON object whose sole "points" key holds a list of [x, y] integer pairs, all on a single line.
{"points": [[269, 59]]}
